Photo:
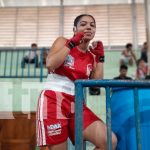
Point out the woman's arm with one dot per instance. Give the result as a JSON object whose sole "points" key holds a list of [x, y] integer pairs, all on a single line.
{"points": [[60, 49], [57, 54], [98, 52], [98, 71]]}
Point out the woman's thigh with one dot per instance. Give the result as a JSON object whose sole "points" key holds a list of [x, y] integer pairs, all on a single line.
{"points": [[96, 133]]}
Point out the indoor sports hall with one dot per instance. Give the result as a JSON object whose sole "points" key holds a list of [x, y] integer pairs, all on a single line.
{"points": [[28, 29]]}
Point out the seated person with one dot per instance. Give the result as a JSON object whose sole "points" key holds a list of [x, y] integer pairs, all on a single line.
{"points": [[127, 55], [144, 52], [45, 53], [123, 73], [142, 70], [31, 56], [43, 57]]}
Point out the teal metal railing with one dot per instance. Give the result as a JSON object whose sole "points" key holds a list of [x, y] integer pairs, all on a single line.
{"points": [[107, 84], [12, 65]]}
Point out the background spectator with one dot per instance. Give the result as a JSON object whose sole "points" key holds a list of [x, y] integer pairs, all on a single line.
{"points": [[127, 55], [31, 56], [123, 73], [142, 69], [44, 54], [144, 52]]}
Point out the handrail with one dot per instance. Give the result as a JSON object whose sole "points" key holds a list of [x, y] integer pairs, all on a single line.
{"points": [[11, 59], [107, 84]]}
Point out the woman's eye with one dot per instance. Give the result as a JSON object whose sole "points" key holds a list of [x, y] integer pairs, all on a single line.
{"points": [[83, 24], [93, 25]]}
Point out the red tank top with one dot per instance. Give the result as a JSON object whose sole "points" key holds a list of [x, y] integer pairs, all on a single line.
{"points": [[77, 65]]}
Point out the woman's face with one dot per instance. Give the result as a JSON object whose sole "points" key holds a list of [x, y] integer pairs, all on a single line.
{"points": [[87, 25]]}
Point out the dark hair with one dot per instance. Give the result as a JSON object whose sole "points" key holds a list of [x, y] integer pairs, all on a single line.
{"points": [[33, 45], [145, 43], [128, 45], [77, 19], [123, 67]]}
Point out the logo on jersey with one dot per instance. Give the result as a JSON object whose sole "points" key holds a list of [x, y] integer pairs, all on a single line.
{"points": [[88, 69], [69, 61], [54, 129]]}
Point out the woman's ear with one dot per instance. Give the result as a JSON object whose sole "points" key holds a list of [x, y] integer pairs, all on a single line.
{"points": [[74, 29]]}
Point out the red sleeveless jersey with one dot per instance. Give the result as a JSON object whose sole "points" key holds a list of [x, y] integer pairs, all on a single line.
{"points": [[77, 65]]}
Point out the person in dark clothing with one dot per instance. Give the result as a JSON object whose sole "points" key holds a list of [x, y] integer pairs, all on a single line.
{"points": [[144, 52], [123, 73]]}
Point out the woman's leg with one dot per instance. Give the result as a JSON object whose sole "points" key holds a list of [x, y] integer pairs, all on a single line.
{"points": [[96, 133], [43, 148], [51, 130], [61, 146]]}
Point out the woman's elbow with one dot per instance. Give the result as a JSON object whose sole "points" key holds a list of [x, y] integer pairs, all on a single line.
{"points": [[50, 69], [49, 65], [98, 76]]}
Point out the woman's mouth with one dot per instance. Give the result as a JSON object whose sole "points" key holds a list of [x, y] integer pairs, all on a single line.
{"points": [[88, 33]]}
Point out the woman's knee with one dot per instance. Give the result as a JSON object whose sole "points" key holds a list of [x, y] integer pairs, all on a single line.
{"points": [[114, 141], [62, 146], [96, 134], [103, 144], [43, 148]]}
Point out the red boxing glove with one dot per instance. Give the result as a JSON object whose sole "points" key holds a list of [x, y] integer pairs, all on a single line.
{"points": [[98, 51], [75, 40]]}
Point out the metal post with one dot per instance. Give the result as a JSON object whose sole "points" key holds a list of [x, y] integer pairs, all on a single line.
{"points": [[23, 68], [41, 64], [108, 118], [137, 119], [79, 117], [61, 18], [5, 63], [107, 84], [11, 63], [134, 25], [17, 62]]}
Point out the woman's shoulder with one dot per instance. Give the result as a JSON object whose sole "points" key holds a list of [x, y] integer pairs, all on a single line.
{"points": [[60, 39], [59, 42]]}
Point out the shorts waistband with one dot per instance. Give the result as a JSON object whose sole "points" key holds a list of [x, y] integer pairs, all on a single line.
{"points": [[60, 83]]}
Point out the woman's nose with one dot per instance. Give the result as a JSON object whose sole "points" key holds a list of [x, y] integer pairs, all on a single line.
{"points": [[88, 27]]}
